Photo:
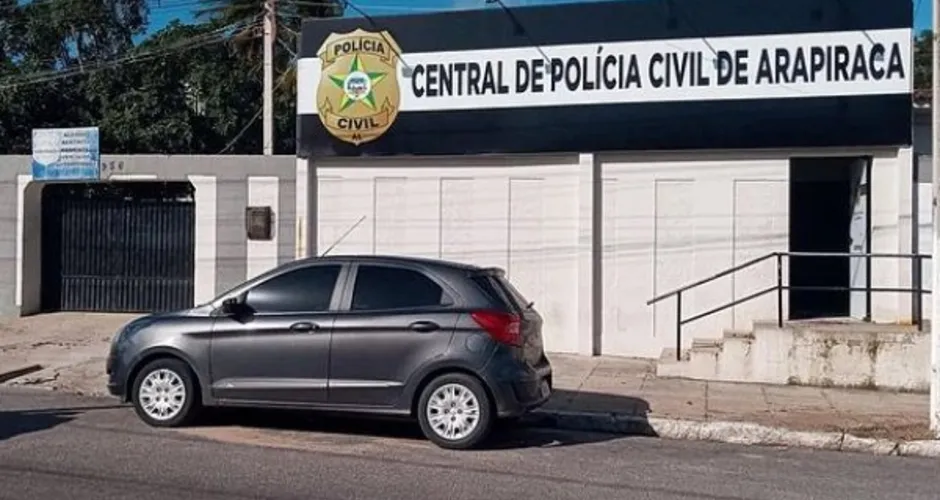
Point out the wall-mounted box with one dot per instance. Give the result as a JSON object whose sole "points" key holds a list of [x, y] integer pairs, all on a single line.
{"points": [[259, 223]]}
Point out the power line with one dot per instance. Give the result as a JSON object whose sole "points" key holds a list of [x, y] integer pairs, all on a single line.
{"points": [[375, 25], [206, 39], [257, 115], [209, 34], [386, 7], [163, 6]]}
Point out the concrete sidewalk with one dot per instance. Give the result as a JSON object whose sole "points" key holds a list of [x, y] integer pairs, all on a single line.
{"points": [[629, 387]]}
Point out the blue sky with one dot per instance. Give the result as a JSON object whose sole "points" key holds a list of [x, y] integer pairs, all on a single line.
{"points": [[168, 10]]}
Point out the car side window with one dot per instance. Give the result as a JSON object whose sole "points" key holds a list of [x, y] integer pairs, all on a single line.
{"points": [[382, 288], [307, 289]]}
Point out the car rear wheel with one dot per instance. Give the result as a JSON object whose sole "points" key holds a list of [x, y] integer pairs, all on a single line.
{"points": [[455, 411], [165, 393]]}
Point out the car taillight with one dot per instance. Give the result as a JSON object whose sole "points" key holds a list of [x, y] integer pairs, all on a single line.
{"points": [[502, 327]]}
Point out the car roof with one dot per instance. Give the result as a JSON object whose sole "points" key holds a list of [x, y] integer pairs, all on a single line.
{"points": [[438, 264], [391, 259]]}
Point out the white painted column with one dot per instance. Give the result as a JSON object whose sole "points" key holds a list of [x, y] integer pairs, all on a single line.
{"points": [[312, 225], [21, 182], [590, 255], [885, 191], [905, 180], [206, 198], [300, 183], [262, 255]]}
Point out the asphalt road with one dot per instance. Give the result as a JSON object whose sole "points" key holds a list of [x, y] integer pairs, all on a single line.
{"points": [[62, 446]]}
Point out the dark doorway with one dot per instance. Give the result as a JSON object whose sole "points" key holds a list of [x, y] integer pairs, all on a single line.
{"points": [[827, 196], [118, 247]]}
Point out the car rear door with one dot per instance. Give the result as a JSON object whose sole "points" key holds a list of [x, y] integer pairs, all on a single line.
{"points": [[394, 319]]}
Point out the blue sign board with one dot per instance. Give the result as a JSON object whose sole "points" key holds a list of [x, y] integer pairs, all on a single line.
{"points": [[66, 154]]}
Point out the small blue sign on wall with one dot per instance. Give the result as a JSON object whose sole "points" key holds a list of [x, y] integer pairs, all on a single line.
{"points": [[66, 154]]}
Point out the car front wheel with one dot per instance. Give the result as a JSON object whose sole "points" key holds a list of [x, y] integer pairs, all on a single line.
{"points": [[455, 411], [165, 393]]}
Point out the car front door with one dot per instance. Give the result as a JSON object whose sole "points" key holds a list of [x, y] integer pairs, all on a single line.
{"points": [[396, 319], [275, 348]]}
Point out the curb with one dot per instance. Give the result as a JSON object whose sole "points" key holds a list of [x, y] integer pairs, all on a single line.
{"points": [[727, 432]]}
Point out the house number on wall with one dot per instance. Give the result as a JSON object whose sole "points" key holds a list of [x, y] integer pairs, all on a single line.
{"points": [[111, 166]]}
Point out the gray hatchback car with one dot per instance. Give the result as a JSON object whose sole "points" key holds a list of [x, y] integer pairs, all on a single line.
{"points": [[454, 346]]}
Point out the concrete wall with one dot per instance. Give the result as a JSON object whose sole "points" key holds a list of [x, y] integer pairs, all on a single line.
{"points": [[670, 220], [520, 213], [835, 354], [224, 186], [591, 238]]}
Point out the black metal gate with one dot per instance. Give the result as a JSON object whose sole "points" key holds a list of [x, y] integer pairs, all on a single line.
{"points": [[118, 247]]}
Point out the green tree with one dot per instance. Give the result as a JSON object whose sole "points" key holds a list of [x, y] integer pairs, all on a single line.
{"points": [[188, 89], [248, 42], [923, 66], [41, 41], [177, 102]]}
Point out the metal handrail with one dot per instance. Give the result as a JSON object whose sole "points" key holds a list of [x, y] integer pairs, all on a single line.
{"points": [[726, 272], [917, 292]]}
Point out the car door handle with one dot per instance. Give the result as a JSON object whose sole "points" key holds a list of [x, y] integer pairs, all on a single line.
{"points": [[304, 326], [424, 326]]}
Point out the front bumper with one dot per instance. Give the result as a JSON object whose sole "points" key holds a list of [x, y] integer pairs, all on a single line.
{"points": [[117, 376]]}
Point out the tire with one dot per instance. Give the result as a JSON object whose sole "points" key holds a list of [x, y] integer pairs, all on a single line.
{"points": [[177, 374], [474, 431]]}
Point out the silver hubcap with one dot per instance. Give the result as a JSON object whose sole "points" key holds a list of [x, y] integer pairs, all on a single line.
{"points": [[453, 411], [162, 394]]}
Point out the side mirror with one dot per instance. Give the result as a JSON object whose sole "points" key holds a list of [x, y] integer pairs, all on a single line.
{"points": [[230, 305]]}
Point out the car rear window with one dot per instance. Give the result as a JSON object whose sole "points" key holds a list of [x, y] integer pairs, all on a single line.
{"points": [[513, 292], [500, 291]]}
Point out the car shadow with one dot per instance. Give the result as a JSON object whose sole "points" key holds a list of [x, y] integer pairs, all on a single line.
{"points": [[598, 411], [18, 422], [555, 425]]}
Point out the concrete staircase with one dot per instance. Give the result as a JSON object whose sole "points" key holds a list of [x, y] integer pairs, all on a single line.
{"points": [[725, 358], [840, 352]]}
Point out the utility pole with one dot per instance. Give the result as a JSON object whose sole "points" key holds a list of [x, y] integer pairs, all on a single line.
{"points": [[935, 257], [270, 34]]}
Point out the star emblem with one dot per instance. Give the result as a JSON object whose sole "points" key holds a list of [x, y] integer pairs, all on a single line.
{"points": [[357, 85]]}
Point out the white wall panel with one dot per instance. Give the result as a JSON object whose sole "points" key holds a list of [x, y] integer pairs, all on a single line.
{"points": [[670, 220], [518, 214], [760, 227], [261, 255], [473, 219], [628, 228], [673, 250], [343, 202]]}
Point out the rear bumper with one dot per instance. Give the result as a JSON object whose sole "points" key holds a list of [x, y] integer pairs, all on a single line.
{"points": [[518, 395]]}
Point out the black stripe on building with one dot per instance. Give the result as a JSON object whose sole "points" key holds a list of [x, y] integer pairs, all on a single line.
{"points": [[637, 20], [725, 124]]}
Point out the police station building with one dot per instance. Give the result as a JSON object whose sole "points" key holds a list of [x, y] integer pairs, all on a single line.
{"points": [[606, 153]]}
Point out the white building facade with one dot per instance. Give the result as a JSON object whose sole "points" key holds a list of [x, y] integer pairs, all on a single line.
{"points": [[604, 167]]}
